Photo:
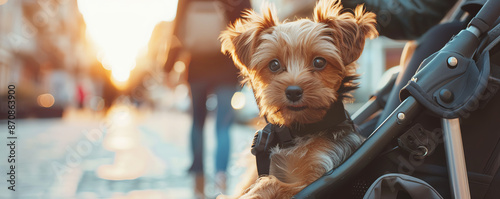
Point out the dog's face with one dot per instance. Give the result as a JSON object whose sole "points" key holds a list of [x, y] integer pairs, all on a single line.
{"points": [[297, 68]]}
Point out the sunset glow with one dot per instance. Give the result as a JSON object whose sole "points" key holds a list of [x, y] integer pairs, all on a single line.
{"points": [[120, 29]]}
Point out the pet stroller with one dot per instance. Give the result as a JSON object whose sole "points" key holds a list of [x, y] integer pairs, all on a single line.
{"points": [[443, 140]]}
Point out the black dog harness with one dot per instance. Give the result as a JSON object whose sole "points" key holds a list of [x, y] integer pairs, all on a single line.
{"points": [[273, 135]]}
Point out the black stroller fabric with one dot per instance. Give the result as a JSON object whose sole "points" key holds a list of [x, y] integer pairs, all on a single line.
{"points": [[390, 186]]}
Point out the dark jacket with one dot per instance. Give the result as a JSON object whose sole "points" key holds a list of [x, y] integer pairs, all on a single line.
{"points": [[405, 19]]}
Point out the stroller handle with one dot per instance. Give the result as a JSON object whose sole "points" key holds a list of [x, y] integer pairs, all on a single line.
{"points": [[485, 17], [434, 74]]}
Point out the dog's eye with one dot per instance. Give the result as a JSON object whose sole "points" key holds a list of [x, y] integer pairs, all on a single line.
{"points": [[319, 63], [274, 65]]}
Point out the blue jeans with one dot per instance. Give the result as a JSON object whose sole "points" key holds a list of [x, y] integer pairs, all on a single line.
{"points": [[224, 119]]}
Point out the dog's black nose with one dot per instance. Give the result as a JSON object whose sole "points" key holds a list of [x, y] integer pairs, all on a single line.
{"points": [[293, 93]]}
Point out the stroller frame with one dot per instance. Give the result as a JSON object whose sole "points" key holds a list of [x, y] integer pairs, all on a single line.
{"points": [[455, 57]]}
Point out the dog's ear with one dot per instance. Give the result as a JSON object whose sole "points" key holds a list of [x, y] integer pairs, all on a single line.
{"points": [[242, 37], [349, 30]]}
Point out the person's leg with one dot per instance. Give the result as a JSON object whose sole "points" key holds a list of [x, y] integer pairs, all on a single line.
{"points": [[225, 117], [199, 98]]}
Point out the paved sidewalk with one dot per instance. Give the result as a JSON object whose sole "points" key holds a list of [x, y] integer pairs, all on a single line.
{"points": [[129, 154]]}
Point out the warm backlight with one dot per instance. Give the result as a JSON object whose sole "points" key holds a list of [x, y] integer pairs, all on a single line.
{"points": [[121, 28]]}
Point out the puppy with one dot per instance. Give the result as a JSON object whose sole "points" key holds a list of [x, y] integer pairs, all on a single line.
{"points": [[300, 72]]}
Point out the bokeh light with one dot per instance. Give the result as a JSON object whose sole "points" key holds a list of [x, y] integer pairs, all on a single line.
{"points": [[211, 102], [238, 100], [45, 100], [179, 66]]}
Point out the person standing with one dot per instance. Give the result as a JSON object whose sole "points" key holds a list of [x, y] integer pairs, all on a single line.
{"points": [[197, 26]]}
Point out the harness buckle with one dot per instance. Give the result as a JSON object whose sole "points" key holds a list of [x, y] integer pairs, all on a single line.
{"points": [[262, 140]]}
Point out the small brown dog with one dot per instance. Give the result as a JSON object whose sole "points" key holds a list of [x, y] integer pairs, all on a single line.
{"points": [[300, 72]]}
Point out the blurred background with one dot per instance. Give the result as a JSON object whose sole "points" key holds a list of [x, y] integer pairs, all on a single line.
{"points": [[96, 114]]}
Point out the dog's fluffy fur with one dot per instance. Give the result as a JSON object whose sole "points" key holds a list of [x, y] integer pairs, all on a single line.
{"points": [[335, 34]]}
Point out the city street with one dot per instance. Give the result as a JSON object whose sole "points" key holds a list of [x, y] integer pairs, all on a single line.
{"points": [[129, 153]]}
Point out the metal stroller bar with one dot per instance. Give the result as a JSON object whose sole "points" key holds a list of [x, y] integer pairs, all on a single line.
{"points": [[375, 103], [368, 108], [455, 158]]}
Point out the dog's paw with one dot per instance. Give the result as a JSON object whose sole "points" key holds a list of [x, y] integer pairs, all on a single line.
{"points": [[263, 188]]}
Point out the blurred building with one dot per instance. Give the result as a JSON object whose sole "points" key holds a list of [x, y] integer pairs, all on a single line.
{"points": [[43, 50]]}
